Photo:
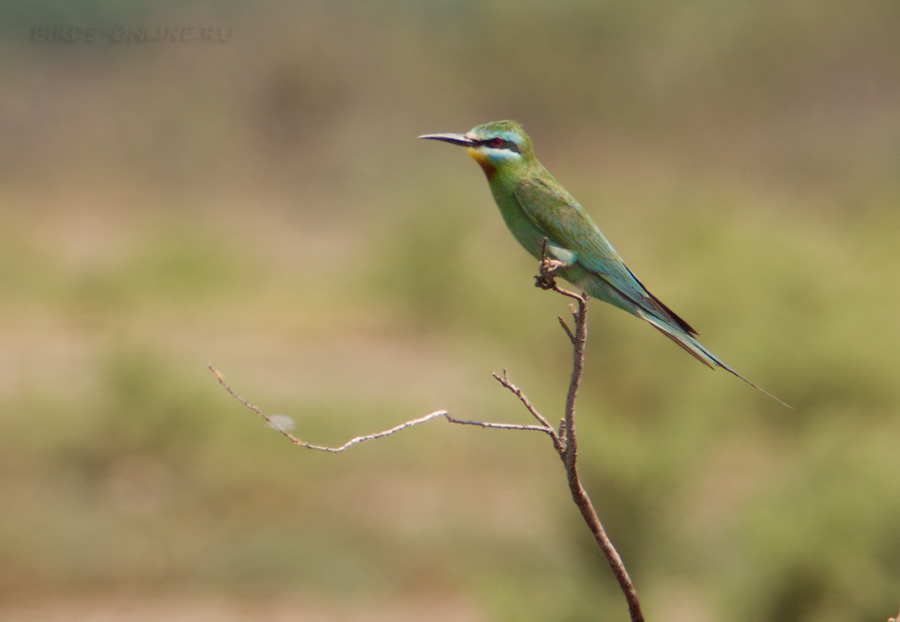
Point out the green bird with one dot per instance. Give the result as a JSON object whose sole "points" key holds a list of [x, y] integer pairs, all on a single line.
{"points": [[541, 213]]}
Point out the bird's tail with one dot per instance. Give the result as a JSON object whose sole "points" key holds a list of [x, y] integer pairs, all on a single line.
{"points": [[698, 350]]}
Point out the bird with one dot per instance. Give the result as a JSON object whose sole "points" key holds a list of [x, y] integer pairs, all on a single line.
{"points": [[548, 222]]}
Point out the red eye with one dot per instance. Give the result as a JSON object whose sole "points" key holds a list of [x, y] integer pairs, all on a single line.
{"points": [[495, 143]]}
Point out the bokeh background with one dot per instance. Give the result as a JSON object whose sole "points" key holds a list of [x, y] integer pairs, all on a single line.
{"points": [[263, 205]]}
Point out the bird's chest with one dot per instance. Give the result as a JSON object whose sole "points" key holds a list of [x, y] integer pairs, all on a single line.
{"points": [[523, 229]]}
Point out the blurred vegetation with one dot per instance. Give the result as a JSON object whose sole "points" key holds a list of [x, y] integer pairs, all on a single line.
{"points": [[263, 205]]}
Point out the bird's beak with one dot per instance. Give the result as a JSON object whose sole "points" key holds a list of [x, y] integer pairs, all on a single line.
{"points": [[455, 139]]}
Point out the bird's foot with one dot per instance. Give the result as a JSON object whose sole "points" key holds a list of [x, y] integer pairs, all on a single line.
{"points": [[549, 266], [545, 281]]}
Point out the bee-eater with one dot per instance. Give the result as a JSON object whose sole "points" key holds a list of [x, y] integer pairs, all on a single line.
{"points": [[537, 208]]}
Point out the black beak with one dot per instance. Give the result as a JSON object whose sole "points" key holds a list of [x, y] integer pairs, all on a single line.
{"points": [[455, 139]]}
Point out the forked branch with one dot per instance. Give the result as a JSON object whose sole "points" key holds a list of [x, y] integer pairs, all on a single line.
{"points": [[565, 440]]}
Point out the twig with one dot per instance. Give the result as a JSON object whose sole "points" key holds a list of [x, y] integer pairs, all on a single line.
{"points": [[566, 328], [565, 440], [504, 426], [356, 440], [505, 381]]}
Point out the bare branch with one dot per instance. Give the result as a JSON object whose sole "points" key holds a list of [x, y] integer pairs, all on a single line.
{"points": [[371, 437], [566, 328], [565, 440], [578, 344], [505, 426], [567, 444], [505, 381], [356, 440]]}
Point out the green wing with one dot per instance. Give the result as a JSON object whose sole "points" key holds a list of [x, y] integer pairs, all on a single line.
{"points": [[560, 217]]}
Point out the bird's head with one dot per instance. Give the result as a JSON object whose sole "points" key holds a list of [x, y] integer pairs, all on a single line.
{"points": [[497, 145]]}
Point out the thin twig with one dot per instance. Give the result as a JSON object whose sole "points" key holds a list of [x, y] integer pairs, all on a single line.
{"points": [[504, 426], [356, 440], [566, 328], [505, 381], [565, 440], [334, 450]]}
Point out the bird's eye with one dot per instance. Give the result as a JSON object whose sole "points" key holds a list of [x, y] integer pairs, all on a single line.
{"points": [[495, 143]]}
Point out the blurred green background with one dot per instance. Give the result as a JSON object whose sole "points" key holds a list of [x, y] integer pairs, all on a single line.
{"points": [[263, 205]]}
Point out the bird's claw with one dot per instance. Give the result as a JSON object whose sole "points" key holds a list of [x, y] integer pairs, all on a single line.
{"points": [[545, 281], [549, 266]]}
